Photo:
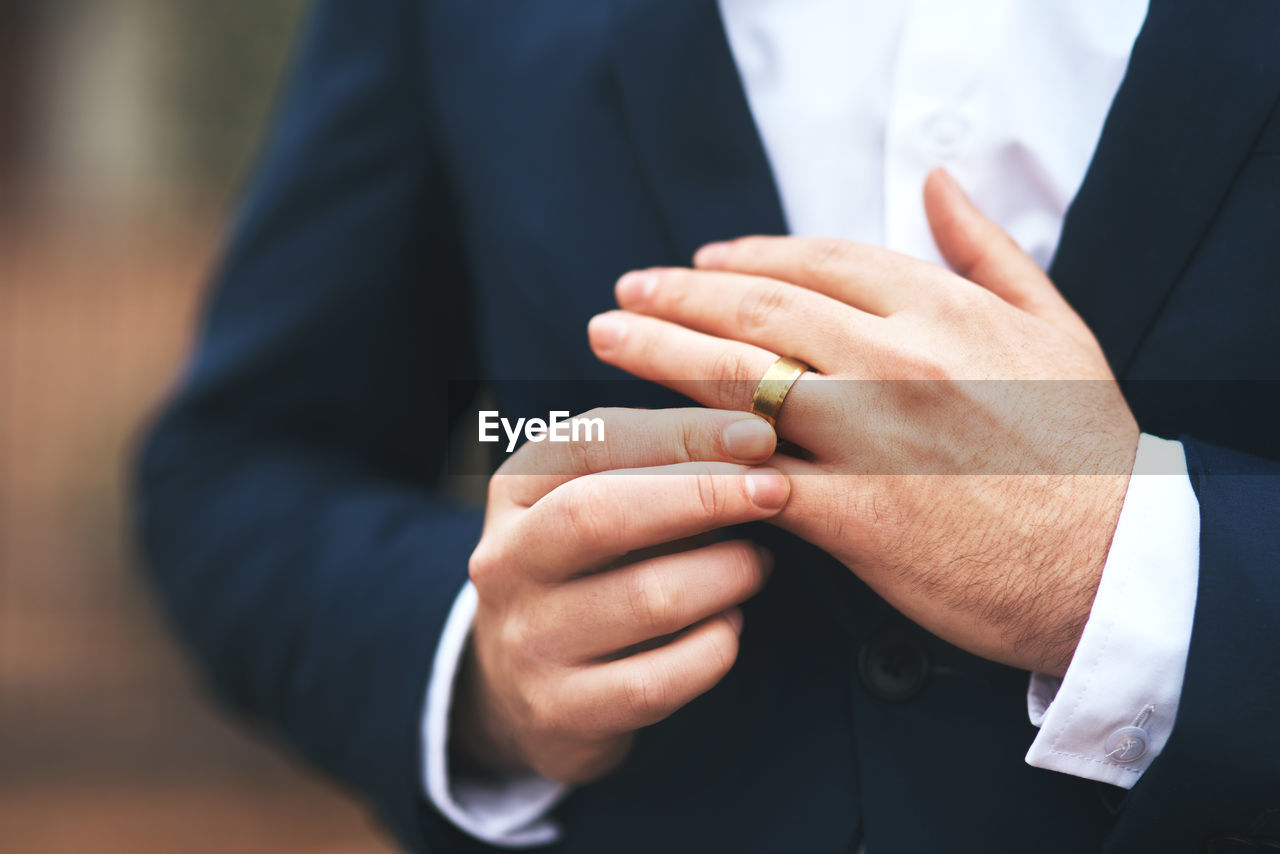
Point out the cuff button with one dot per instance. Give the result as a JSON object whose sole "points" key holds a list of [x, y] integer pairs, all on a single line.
{"points": [[1127, 744]]}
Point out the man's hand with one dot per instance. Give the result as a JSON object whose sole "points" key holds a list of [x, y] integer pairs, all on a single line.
{"points": [[921, 374], [584, 632]]}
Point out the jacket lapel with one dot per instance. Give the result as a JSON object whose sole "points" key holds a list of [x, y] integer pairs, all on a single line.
{"points": [[690, 123], [1201, 82]]}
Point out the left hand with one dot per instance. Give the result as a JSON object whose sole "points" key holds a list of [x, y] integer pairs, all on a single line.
{"points": [[1003, 561]]}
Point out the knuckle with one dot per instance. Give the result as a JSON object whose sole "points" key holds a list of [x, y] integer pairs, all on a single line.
{"points": [[731, 368], [483, 565], [591, 454], [922, 364], [585, 457], [598, 515], [515, 633], [957, 300], [582, 512], [829, 255], [645, 694], [759, 306], [934, 370], [690, 441], [652, 601], [542, 711], [711, 495]]}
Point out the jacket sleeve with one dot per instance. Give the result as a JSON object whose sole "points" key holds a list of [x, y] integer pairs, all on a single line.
{"points": [[1217, 783], [288, 498]]}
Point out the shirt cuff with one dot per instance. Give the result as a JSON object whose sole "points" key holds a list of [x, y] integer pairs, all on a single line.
{"points": [[511, 812], [1112, 713]]}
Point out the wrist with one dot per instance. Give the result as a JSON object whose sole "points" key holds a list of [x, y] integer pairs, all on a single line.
{"points": [[480, 743], [1091, 536]]}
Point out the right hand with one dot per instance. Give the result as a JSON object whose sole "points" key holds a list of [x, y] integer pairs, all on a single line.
{"points": [[579, 638]]}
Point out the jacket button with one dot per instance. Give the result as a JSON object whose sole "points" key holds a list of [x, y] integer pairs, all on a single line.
{"points": [[893, 665]]}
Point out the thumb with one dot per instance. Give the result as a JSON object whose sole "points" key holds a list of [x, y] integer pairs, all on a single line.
{"points": [[982, 252]]}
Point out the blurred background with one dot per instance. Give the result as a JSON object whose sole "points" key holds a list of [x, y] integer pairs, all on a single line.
{"points": [[126, 130]]}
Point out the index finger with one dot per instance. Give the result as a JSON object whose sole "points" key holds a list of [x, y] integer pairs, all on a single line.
{"points": [[594, 520], [636, 438]]}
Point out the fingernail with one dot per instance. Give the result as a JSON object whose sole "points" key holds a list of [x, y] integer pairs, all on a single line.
{"points": [[711, 255], [734, 616], [606, 330], [952, 183], [636, 287], [767, 488], [749, 439]]}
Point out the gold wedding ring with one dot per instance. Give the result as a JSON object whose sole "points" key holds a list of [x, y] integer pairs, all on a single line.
{"points": [[774, 386]]}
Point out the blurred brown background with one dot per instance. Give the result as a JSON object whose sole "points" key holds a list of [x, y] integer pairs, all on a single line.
{"points": [[126, 128]]}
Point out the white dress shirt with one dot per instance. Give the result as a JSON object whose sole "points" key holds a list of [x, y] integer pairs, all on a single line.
{"points": [[855, 101]]}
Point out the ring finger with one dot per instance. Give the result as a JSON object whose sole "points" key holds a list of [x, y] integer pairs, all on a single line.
{"points": [[716, 372]]}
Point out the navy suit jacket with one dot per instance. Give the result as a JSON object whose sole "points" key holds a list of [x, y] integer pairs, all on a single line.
{"points": [[449, 192]]}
